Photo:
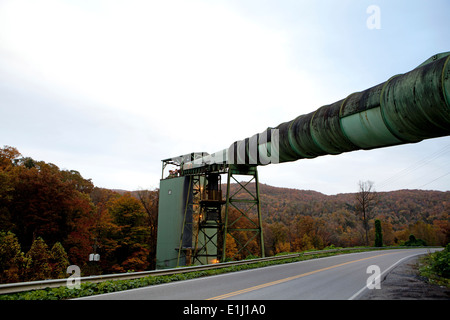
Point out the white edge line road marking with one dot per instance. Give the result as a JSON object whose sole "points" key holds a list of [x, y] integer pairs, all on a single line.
{"points": [[202, 278], [353, 297]]}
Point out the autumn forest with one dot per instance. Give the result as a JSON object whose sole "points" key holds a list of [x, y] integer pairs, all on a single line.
{"points": [[51, 218]]}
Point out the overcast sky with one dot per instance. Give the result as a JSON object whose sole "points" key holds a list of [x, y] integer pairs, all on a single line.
{"points": [[109, 88]]}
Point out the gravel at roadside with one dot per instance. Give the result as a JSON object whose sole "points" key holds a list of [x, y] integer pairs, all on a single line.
{"points": [[404, 283]]}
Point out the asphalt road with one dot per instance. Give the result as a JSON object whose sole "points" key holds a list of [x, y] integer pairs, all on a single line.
{"points": [[338, 278]]}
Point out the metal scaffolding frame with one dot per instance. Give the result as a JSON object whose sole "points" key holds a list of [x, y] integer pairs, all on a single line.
{"points": [[244, 200], [210, 221]]}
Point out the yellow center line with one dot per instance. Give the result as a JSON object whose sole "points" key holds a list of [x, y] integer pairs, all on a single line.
{"points": [[268, 284]]}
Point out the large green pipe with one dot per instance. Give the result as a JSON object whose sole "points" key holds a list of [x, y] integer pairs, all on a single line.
{"points": [[407, 108]]}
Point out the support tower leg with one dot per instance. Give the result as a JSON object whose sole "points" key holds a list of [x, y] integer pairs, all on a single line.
{"points": [[209, 227], [243, 233]]}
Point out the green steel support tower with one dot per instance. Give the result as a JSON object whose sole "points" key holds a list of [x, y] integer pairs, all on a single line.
{"points": [[243, 203], [197, 221]]}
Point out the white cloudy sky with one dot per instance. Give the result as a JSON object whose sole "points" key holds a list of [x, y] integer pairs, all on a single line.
{"points": [[109, 88]]}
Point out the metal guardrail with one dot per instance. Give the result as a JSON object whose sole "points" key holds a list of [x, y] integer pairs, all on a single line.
{"points": [[54, 283]]}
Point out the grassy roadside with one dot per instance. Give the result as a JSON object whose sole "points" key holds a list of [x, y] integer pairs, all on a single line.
{"points": [[436, 267], [88, 289]]}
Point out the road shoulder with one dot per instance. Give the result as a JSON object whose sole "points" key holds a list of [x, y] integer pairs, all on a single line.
{"points": [[404, 283]]}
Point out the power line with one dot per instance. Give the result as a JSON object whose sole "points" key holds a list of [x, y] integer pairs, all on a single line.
{"points": [[418, 164], [444, 175]]}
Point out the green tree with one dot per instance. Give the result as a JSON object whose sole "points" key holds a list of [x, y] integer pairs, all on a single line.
{"points": [[378, 234], [59, 261], [11, 258], [414, 242], [440, 262], [38, 261]]}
